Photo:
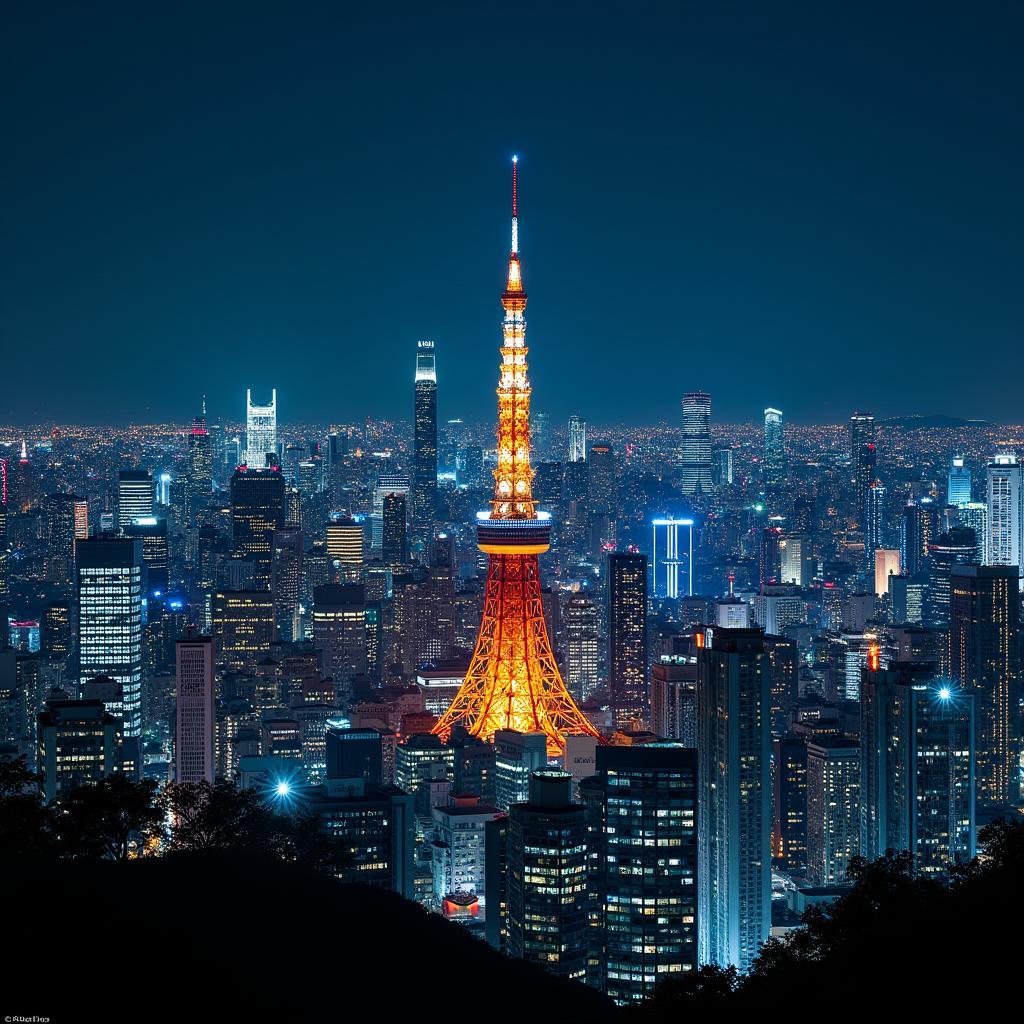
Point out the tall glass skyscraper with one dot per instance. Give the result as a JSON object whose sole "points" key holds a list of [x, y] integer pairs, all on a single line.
{"points": [[672, 557], [696, 452], [1005, 543], [134, 496], [260, 430], [627, 635], [735, 815], [958, 490], [775, 463], [111, 585], [577, 439], [424, 480]]}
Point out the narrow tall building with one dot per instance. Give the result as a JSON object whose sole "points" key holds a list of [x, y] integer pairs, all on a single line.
{"points": [[696, 460], [577, 439], [833, 807], [111, 585], [735, 815], [627, 635], [424, 480], [1005, 544], [985, 658], [195, 717], [776, 465], [134, 495], [257, 511], [582, 654]]}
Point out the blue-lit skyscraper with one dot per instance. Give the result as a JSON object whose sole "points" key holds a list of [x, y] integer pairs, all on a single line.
{"points": [[958, 490], [735, 815], [672, 557], [775, 462]]}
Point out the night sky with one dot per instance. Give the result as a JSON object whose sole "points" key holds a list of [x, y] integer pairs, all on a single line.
{"points": [[815, 206]]}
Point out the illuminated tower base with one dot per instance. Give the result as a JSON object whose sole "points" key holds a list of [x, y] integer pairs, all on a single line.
{"points": [[513, 681]]}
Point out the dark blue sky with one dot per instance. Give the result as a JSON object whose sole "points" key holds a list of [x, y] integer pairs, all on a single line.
{"points": [[814, 206]]}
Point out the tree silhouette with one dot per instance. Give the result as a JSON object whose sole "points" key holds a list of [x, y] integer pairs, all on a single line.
{"points": [[113, 818]]}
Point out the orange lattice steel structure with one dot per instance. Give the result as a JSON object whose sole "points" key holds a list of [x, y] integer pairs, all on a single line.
{"points": [[513, 681]]}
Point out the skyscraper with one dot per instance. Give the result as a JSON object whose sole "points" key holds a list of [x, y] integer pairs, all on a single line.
{"points": [[776, 465], [833, 807], [286, 581], [339, 630], [134, 495], [644, 867], [627, 635], [260, 432], [345, 542], [1005, 511], [111, 586], [874, 524], [581, 661], [958, 489], [547, 877], [387, 483], [917, 779], [863, 453], [672, 557], [735, 814], [577, 439], [257, 510], [985, 658], [394, 545], [696, 452], [195, 718], [513, 681], [424, 480]]}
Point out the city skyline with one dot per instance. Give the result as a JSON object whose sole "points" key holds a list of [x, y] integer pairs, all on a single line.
{"points": [[876, 217]]}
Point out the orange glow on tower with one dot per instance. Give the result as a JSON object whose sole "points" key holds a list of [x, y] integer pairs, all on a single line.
{"points": [[513, 681]]}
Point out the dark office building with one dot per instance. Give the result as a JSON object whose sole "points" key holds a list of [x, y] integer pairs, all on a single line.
{"points": [[395, 544], [257, 510], [627, 636], [355, 754], [547, 877], [642, 824], [985, 658]]}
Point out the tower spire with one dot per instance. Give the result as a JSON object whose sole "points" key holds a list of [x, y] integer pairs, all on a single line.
{"points": [[515, 211]]}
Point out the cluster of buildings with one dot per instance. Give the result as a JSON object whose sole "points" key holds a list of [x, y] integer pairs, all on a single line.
{"points": [[623, 703]]}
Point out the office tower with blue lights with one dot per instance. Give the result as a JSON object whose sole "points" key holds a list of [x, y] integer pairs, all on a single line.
{"points": [[958, 485], [671, 557], [721, 467], [776, 464], [874, 525], [546, 886], [151, 531], [577, 439], [194, 711], [643, 868], [1005, 542], [260, 432], [985, 659], [627, 636], [134, 495], [695, 467], [424, 476], [958, 546], [111, 589], [735, 814], [917, 782]]}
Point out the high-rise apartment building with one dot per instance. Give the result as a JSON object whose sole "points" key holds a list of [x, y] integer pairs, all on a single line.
{"points": [[833, 807], [582, 653]]}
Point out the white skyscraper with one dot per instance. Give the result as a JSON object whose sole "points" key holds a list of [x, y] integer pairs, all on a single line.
{"points": [[260, 430], [672, 557], [1005, 542], [577, 439]]}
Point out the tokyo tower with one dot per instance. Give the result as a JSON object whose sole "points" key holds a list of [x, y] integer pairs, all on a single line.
{"points": [[513, 681]]}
